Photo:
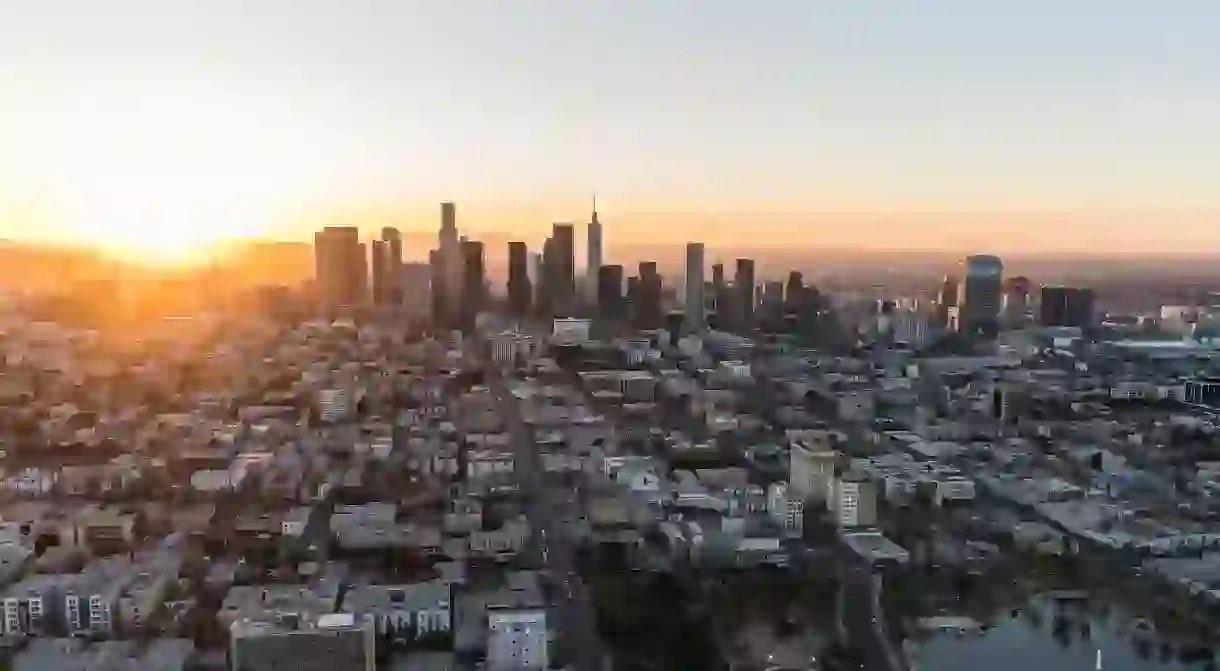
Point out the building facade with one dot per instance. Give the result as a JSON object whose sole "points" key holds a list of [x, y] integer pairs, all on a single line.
{"points": [[694, 286]]}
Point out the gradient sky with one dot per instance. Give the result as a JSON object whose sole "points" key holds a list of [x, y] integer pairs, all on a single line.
{"points": [[1018, 125]]}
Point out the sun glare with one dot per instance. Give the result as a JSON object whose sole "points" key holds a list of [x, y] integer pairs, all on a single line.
{"points": [[164, 179]]}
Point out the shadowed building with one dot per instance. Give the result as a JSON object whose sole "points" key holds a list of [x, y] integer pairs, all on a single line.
{"points": [[743, 295], [340, 267], [520, 290], [611, 305], [979, 306]]}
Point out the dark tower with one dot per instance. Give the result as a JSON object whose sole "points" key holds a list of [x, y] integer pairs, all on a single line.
{"points": [[379, 272], [520, 290], [794, 292], [648, 297], [743, 290], [563, 292], [392, 271], [610, 303], [436, 279], [474, 288]]}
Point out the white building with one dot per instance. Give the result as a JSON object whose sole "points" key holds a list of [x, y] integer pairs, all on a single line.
{"points": [[509, 346], [27, 605], [480, 463], [517, 639], [788, 512], [636, 351], [404, 612], [571, 331], [335, 405], [295, 521], [637, 386], [854, 502], [954, 488], [811, 470], [735, 370]]}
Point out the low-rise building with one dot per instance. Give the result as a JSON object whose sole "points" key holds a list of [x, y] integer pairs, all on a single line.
{"points": [[404, 613]]}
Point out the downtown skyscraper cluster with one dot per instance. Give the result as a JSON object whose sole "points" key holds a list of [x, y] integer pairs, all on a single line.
{"points": [[549, 283], [342, 265], [458, 274]]}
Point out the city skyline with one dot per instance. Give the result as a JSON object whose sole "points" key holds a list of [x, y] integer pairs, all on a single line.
{"points": [[162, 128]]}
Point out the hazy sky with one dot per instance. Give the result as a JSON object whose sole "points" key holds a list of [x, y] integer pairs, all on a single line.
{"points": [[1028, 124]]}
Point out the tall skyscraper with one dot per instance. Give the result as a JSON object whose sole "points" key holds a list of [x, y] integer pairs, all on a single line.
{"points": [[474, 283], [436, 283], [720, 297], [633, 293], [772, 305], [414, 288], [979, 306], [794, 292], [594, 254], [694, 286], [1066, 306], [361, 274], [451, 261], [340, 267], [520, 291], [563, 292], [743, 290], [648, 313], [393, 265], [379, 276], [544, 302], [610, 302], [1016, 301]]}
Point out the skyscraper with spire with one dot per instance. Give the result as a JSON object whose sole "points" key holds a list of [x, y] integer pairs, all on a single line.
{"points": [[594, 255]]}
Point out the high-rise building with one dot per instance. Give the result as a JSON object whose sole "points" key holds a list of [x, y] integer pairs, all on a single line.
{"points": [[474, 283], [720, 297], [1066, 306], [946, 300], [794, 292], [648, 297], [594, 254], [563, 292], [633, 294], [544, 302], [361, 274], [743, 290], [341, 269], [393, 265], [379, 276], [979, 305], [436, 277], [694, 286], [1015, 303], [520, 290], [414, 288], [610, 302], [451, 262], [772, 305]]}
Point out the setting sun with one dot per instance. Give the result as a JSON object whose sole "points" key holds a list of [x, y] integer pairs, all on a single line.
{"points": [[162, 178]]}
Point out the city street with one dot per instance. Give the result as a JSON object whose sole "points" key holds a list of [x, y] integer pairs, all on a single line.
{"points": [[550, 543], [865, 623]]}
